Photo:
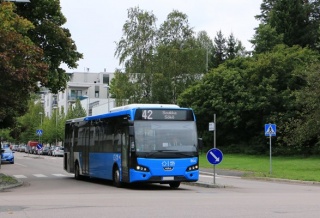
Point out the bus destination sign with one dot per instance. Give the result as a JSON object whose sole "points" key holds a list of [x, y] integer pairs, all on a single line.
{"points": [[162, 114]]}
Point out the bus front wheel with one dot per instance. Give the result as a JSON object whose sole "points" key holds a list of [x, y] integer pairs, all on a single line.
{"points": [[116, 178], [174, 185]]}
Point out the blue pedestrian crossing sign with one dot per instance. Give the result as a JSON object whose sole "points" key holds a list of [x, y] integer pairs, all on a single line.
{"points": [[39, 132], [270, 129], [214, 156]]}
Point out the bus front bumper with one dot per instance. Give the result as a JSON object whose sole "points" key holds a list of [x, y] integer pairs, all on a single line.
{"points": [[189, 176]]}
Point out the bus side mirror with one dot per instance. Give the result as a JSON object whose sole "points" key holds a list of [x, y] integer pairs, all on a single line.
{"points": [[200, 143], [131, 131]]}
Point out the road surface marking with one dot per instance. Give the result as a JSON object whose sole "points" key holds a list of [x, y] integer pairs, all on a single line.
{"points": [[19, 176], [39, 175]]}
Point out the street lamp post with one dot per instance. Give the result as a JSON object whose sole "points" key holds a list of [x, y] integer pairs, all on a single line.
{"points": [[56, 126], [40, 113], [56, 111], [108, 87]]}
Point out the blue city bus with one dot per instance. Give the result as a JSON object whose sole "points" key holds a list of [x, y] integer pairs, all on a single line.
{"points": [[133, 144]]}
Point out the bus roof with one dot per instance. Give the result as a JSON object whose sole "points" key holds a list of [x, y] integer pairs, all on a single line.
{"points": [[130, 110], [131, 106]]}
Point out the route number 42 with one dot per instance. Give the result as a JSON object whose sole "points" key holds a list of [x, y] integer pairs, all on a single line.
{"points": [[147, 114]]}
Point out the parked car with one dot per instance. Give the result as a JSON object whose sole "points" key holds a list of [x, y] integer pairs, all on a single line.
{"points": [[32, 150], [22, 148], [15, 147], [58, 151], [44, 151], [7, 155], [50, 152]]}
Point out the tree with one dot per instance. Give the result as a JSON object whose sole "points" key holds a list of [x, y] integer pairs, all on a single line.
{"points": [[302, 132], [265, 39], [30, 122], [53, 127], [55, 41], [206, 43], [234, 48], [162, 63], [136, 49], [266, 8], [248, 92], [219, 49], [5, 136], [76, 111], [180, 59], [295, 22], [175, 30], [289, 18], [121, 88], [21, 65], [157, 61], [226, 49]]}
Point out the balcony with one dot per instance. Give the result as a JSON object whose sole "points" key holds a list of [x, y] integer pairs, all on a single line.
{"points": [[73, 98]]}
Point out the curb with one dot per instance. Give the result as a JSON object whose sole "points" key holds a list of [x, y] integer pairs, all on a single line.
{"points": [[205, 185], [283, 180]]}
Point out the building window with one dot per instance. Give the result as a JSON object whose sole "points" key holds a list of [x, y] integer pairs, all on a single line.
{"points": [[105, 79], [75, 94]]}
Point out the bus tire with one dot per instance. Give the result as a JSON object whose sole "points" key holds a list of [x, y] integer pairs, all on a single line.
{"points": [[77, 175], [116, 178], [174, 185]]}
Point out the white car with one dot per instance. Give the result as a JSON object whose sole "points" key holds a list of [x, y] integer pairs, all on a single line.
{"points": [[58, 151]]}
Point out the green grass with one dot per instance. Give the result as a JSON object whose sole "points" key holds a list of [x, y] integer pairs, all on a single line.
{"points": [[297, 168], [7, 179]]}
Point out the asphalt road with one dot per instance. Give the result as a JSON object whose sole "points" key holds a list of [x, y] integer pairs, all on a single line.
{"points": [[48, 191]]}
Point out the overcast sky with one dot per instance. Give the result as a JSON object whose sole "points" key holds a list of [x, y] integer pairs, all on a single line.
{"points": [[96, 25]]}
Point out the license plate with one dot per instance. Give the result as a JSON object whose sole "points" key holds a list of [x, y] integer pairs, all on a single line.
{"points": [[167, 178]]}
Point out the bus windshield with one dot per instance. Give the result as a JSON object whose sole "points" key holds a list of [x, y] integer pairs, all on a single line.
{"points": [[163, 136]]}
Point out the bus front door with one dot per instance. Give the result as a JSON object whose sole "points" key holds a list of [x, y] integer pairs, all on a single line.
{"points": [[125, 150], [85, 152]]}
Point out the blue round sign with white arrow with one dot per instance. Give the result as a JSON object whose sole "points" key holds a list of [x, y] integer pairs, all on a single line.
{"points": [[39, 146], [214, 156]]}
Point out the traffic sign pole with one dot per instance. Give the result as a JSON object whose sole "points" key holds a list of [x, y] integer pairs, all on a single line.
{"points": [[39, 133], [214, 146], [214, 156], [270, 155], [270, 130], [214, 161]]}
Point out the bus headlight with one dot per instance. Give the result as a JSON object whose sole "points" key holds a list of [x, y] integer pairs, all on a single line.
{"points": [[142, 168], [193, 167]]}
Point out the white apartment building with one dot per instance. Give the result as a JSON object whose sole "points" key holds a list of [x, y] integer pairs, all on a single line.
{"points": [[91, 88]]}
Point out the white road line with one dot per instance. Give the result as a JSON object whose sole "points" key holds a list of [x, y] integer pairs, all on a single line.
{"points": [[19, 176], [206, 176], [59, 175], [39, 175], [21, 165], [42, 175]]}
